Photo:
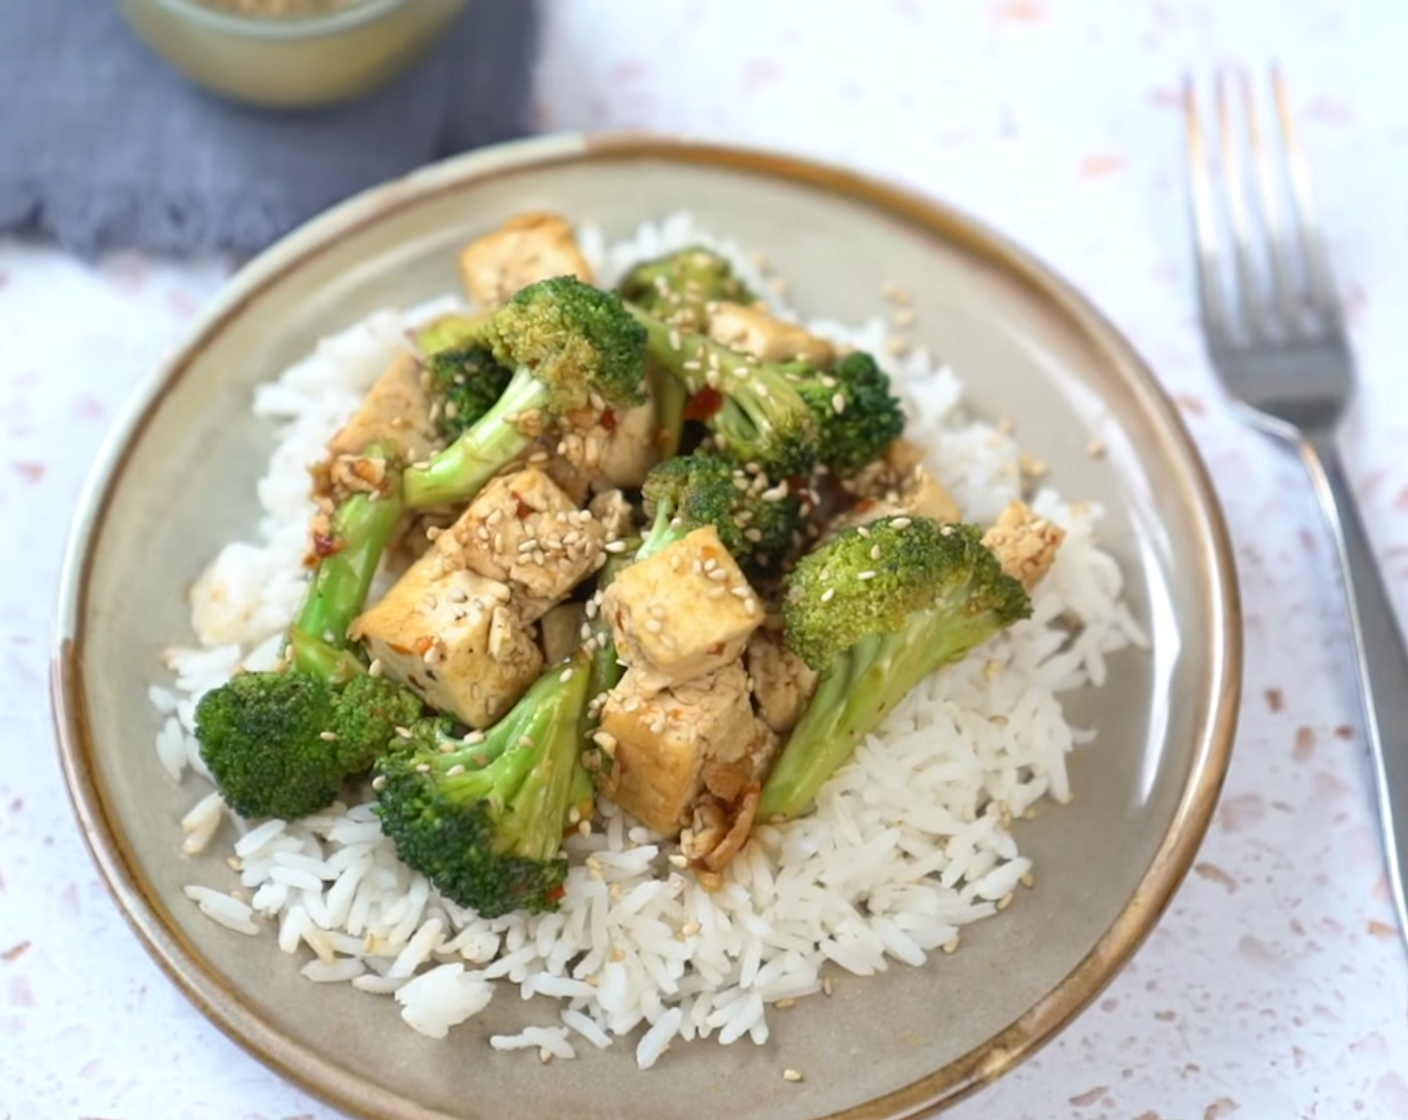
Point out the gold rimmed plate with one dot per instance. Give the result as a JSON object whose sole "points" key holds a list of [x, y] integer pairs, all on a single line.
{"points": [[177, 481]]}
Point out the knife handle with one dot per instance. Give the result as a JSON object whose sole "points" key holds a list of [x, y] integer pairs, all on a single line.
{"points": [[1381, 655]]}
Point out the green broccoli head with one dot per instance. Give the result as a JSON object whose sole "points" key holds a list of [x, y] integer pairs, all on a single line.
{"points": [[483, 817], [857, 416], [875, 611], [283, 744], [679, 287], [465, 382], [570, 346], [757, 521], [575, 338], [874, 579]]}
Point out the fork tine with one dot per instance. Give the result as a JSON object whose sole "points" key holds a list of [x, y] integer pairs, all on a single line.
{"points": [[1322, 289], [1204, 231], [1283, 286], [1253, 312]]}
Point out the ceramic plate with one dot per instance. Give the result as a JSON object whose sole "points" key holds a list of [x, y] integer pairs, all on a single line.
{"points": [[177, 482]]}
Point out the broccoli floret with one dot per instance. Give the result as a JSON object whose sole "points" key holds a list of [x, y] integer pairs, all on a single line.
{"points": [[857, 417], [874, 612], [571, 347], [483, 816], [756, 522], [465, 381], [281, 744], [678, 288], [752, 407]]}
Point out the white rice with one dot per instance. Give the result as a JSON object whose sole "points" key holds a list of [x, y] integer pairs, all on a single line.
{"points": [[910, 842]]}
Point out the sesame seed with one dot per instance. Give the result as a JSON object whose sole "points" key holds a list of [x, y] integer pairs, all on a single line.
{"points": [[674, 340], [750, 605], [423, 768], [866, 575], [525, 740], [654, 625], [828, 595], [375, 668], [717, 592], [404, 732], [762, 389], [565, 675], [863, 531], [585, 828], [379, 782], [473, 737], [951, 945], [902, 318], [875, 552], [455, 771], [838, 403], [328, 736], [1095, 449], [689, 929], [744, 592], [615, 546], [901, 523], [791, 1075], [754, 535], [826, 987]]}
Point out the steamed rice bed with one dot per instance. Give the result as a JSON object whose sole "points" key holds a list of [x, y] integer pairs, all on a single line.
{"points": [[912, 840]]}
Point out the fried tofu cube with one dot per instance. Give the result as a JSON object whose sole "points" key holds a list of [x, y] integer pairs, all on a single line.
{"points": [[753, 330], [665, 743], [395, 412], [1024, 543], [523, 530], [525, 249], [896, 485], [686, 611], [782, 682], [452, 636]]}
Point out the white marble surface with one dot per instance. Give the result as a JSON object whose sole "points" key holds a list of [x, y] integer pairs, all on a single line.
{"points": [[1276, 985]]}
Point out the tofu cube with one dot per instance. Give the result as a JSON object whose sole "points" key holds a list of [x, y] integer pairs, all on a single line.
{"points": [[395, 412], [523, 530], [667, 742], [686, 611], [452, 637], [782, 682], [525, 249]]}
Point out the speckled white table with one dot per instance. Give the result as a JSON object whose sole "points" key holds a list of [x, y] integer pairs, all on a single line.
{"points": [[1276, 986]]}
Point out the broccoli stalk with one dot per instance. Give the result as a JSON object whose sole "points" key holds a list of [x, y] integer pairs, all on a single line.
{"points": [[362, 528], [679, 287], [875, 611], [281, 744], [752, 407], [759, 525], [571, 347], [483, 816]]}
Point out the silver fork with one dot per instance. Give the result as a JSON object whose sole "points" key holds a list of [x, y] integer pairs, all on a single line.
{"points": [[1274, 330]]}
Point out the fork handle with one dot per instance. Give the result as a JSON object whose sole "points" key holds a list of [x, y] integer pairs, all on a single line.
{"points": [[1381, 654]]}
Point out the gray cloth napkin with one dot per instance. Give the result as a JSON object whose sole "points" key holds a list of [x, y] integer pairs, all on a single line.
{"points": [[102, 146]]}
